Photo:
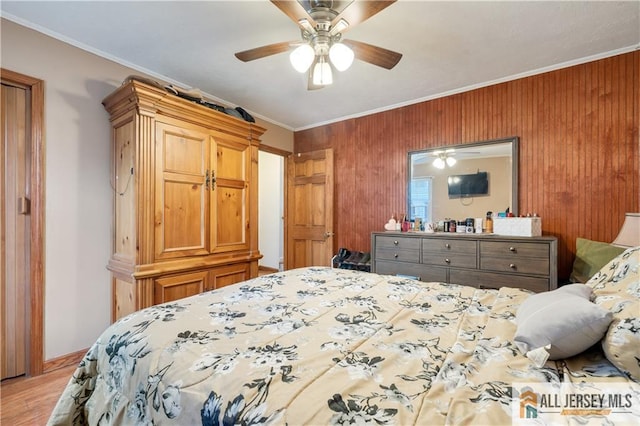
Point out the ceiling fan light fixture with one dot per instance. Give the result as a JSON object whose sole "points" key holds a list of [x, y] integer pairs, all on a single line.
{"points": [[439, 163], [341, 56], [322, 73], [302, 57], [322, 24], [340, 26], [451, 161]]}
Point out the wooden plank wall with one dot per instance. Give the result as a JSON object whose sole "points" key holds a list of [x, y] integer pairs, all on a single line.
{"points": [[579, 150]]}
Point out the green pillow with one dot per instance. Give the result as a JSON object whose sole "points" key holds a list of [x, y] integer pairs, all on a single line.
{"points": [[591, 256]]}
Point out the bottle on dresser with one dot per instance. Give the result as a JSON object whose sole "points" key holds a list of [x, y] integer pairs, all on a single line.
{"points": [[489, 223]]}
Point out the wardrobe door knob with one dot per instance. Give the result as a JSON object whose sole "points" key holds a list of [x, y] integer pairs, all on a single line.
{"points": [[512, 265], [447, 261], [512, 249]]}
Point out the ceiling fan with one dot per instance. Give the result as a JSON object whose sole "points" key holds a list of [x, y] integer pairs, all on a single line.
{"points": [[322, 23], [446, 157]]}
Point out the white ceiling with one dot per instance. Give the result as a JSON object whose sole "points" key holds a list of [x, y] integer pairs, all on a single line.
{"points": [[447, 47]]}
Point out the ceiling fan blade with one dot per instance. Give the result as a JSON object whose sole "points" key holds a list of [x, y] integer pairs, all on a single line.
{"points": [[359, 11], [373, 54], [295, 11], [263, 51]]}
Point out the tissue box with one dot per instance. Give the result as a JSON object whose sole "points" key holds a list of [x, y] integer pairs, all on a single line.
{"points": [[518, 226]]}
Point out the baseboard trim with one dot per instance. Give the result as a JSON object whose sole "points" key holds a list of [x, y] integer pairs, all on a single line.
{"points": [[64, 361], [267, 270]]}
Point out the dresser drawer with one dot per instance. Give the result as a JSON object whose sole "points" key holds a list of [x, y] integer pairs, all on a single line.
{"points": [[520, 264], [398, 255], [398, 243], [421, 272], [459, 260], [478, 260], [442, 245], [481, 279], [511, 249]]}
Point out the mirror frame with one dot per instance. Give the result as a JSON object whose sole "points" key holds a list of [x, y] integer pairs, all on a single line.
{"points": [[514, 141]]}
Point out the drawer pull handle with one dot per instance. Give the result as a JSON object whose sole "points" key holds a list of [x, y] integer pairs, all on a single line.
{"points": [[395, 242], [447, 261], [512, 249], [395, 255], [512, 265], [447, 245]]}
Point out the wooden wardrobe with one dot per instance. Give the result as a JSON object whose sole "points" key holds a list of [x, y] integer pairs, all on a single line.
{"points": [[185, 216]]}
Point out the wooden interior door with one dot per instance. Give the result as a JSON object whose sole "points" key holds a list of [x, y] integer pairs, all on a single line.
{"points": [[15, 229], [309, 212]]}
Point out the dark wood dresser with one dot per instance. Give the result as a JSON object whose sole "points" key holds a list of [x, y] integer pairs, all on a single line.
{"points": [[478, 260]]}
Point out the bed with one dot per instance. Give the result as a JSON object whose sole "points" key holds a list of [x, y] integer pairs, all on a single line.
{"points": [[319, 346]]}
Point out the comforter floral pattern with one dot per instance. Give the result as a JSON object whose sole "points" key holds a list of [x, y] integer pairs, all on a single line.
{"points": [[312, 346]]}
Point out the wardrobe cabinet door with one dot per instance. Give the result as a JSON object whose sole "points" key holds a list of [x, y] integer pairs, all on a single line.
{"points": [[230, 196], [181, 191]]}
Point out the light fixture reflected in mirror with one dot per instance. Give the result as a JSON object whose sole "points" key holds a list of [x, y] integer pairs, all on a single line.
{"points": [[439, 163], [443, 159]]}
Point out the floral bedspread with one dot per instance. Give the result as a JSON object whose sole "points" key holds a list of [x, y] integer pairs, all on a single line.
{"points": [[311, 346]]}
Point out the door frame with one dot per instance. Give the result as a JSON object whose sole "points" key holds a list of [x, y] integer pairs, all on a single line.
{"points": [[285, 155], [35, 294]]}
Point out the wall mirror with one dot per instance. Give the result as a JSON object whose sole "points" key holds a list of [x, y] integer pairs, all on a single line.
{"points": [[462, 181]]}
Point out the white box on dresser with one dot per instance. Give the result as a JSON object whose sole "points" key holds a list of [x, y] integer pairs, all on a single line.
{"points": [[518, 226]]}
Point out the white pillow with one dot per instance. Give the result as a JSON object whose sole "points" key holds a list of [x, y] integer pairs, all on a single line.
{"points": [[564, 318]]}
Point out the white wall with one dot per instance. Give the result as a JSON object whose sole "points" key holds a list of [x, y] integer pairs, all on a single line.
{"points": [[77, 189], [271, 208]]}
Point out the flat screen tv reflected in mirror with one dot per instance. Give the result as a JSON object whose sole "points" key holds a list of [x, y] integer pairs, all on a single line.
{"points": [[471, 185]]}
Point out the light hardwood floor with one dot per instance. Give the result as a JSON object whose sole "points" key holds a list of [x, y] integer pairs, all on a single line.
{"points": [[30, 401]]}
